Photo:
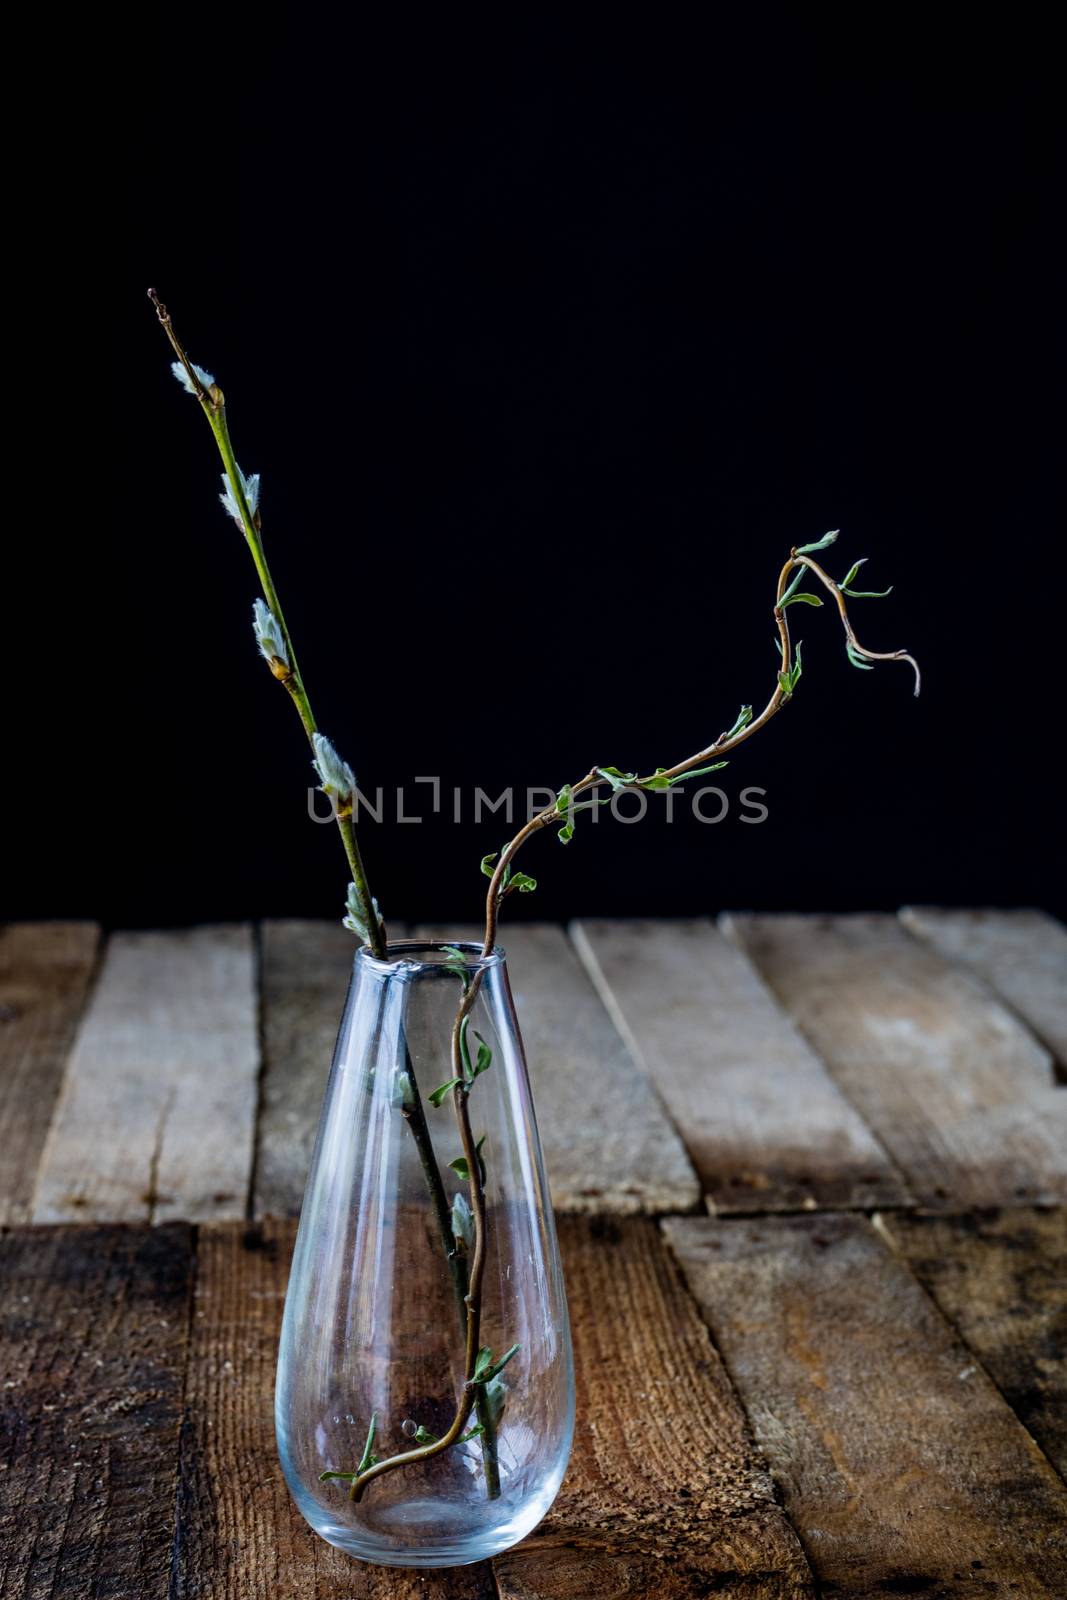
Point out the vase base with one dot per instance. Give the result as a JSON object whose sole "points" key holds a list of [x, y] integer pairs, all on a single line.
{"points": [[415, 1534]]}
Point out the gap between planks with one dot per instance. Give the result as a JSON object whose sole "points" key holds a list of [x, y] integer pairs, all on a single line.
{"points": [[951, 1083], [1021, 955], [1000, 1279], [304, 973], [765, 1125], [46, 971], [608, 1142], [156, 1120], [901, 1466]]}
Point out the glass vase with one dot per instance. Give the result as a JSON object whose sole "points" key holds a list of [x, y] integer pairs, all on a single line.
{"points": [[386, 1349]]}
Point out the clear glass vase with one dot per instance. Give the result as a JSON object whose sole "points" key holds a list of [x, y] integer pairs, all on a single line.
{"points": [[386, 1348]]}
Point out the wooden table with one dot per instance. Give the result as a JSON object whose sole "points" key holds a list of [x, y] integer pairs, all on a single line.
{"points": [[826, 1158]]}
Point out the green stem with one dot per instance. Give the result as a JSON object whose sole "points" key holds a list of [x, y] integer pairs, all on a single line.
{"points": [[490, 1458], [213, 405], [216, 416], [415, 1117], [375, 931]]}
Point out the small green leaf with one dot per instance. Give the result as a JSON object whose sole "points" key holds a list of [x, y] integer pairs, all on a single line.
{"points": [[657, 780], [471, 1433], [438, 1094], [787, 681], [523, 883], [496, 1394], [487, 863], [861, 594], [794, 585], [566, 833], [563, 800], [820, 544], [465, 1049], [482, 1362], [697, 772], [484, 1058], [456, 964], [617, 779], [424, 1436], [460, 1167], [349, 1477], [806, 599], [368, 1458], [857, 660], [496, 1367], [744, 716]]}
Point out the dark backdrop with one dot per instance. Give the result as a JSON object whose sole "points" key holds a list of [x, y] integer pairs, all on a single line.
{"points": [[549, 339]]}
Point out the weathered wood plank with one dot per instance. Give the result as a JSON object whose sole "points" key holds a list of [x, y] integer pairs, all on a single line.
{"points": [[306, 967], [765, 1125], [45, 970], [609, 1146], [1001, 1279], [664, 1494], [157, 1114], [1022, 955], [901, 1467], [93, 1337], [958, 1091], [239, 1534]]}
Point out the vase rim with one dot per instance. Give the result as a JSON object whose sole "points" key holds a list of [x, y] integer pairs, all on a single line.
{"points": [[410, 958]]}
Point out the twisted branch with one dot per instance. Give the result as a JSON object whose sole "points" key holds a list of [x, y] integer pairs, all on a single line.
{"points": [[497, 892], [553, 817]]}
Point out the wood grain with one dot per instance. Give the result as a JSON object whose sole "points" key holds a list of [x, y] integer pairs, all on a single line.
{"points": [[157, 1116], [901, 1466], [952, 1084], [1022, 955], [45, 971], [306, 967], [1001, 1279], [665, 1493], [765, 1125], [609, 1145], [239, 1534], [93, 1336]]}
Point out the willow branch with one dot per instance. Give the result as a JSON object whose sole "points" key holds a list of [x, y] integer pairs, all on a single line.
{"points": [[730, 740], [213, 404]]}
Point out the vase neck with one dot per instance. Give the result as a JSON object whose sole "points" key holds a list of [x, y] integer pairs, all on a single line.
{"points": [[426, 960]]}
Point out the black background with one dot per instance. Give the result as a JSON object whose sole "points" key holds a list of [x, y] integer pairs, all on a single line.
{"points": [[549, 339]]}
